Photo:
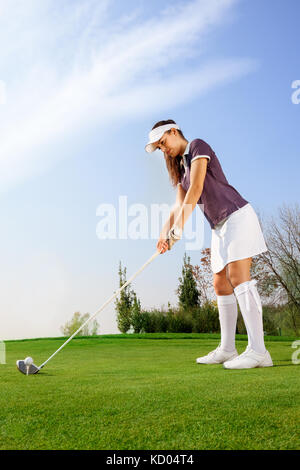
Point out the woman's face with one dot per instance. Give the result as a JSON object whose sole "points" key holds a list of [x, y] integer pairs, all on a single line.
{"points": [[171, 144]]}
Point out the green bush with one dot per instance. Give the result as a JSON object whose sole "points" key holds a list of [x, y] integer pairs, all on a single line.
{"points": [[137, 322], [147, 322], [204, 319], [180, 322], [270, 327], [161, 322]]}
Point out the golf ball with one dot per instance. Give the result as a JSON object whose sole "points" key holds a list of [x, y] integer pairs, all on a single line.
{"points": [[28, 361]]}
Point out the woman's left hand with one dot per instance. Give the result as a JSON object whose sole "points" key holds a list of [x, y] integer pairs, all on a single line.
{"points": [[174, 235], [162, 245]]}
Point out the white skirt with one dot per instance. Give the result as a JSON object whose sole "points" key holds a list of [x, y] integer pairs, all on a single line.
{"points": [[239, 236]]}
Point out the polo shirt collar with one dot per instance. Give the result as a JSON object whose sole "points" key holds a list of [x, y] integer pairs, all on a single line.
{"points": [[186, 152]]}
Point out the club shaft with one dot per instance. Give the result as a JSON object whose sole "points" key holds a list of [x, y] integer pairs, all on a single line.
{"points": [[102, 307]]}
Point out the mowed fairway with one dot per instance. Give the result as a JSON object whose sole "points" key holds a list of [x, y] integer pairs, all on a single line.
{"points": [[131, 393]]}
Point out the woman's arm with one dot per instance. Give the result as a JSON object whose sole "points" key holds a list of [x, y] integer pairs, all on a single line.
{"points": [[180, 195], [197, 176]]}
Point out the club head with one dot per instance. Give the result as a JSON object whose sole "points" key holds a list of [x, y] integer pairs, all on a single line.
{"points": [[27, 370]]}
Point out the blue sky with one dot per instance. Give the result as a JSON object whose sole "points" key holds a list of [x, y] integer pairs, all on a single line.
{"points": [[81, 84]]}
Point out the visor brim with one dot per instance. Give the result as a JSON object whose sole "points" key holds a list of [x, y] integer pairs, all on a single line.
{"points": [[150, 147]]}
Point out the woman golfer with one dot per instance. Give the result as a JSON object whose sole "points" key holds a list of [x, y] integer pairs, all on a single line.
{"points": [[236, 237]]}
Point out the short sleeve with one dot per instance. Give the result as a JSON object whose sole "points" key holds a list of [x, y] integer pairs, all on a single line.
{"points": [[200, 149]]}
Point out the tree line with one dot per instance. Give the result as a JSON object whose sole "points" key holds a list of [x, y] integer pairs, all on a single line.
{"points": [[277, 272]]}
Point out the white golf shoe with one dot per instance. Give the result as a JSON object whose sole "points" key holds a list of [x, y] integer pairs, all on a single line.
{"points": [[218, 356], [249, 359]]}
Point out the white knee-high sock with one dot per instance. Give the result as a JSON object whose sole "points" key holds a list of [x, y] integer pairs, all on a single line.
{"points": [[251, 309], [228, 312]]}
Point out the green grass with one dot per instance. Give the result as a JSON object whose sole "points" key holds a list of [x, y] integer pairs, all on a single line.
{"points": [[146, 392]]}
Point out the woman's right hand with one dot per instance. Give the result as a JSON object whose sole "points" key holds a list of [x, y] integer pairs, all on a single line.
{"points": [[162, 245]]}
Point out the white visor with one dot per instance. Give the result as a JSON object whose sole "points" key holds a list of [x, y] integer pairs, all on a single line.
{"points": [[157, 134]]}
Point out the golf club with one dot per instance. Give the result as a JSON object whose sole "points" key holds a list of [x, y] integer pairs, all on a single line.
{"points": [[27, 366]]}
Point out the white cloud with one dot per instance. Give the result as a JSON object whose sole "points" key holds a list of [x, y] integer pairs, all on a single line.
{"points": [[84, 64]]}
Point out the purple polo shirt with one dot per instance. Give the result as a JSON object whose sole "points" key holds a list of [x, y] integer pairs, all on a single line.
{"points": [[218, 197]]}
